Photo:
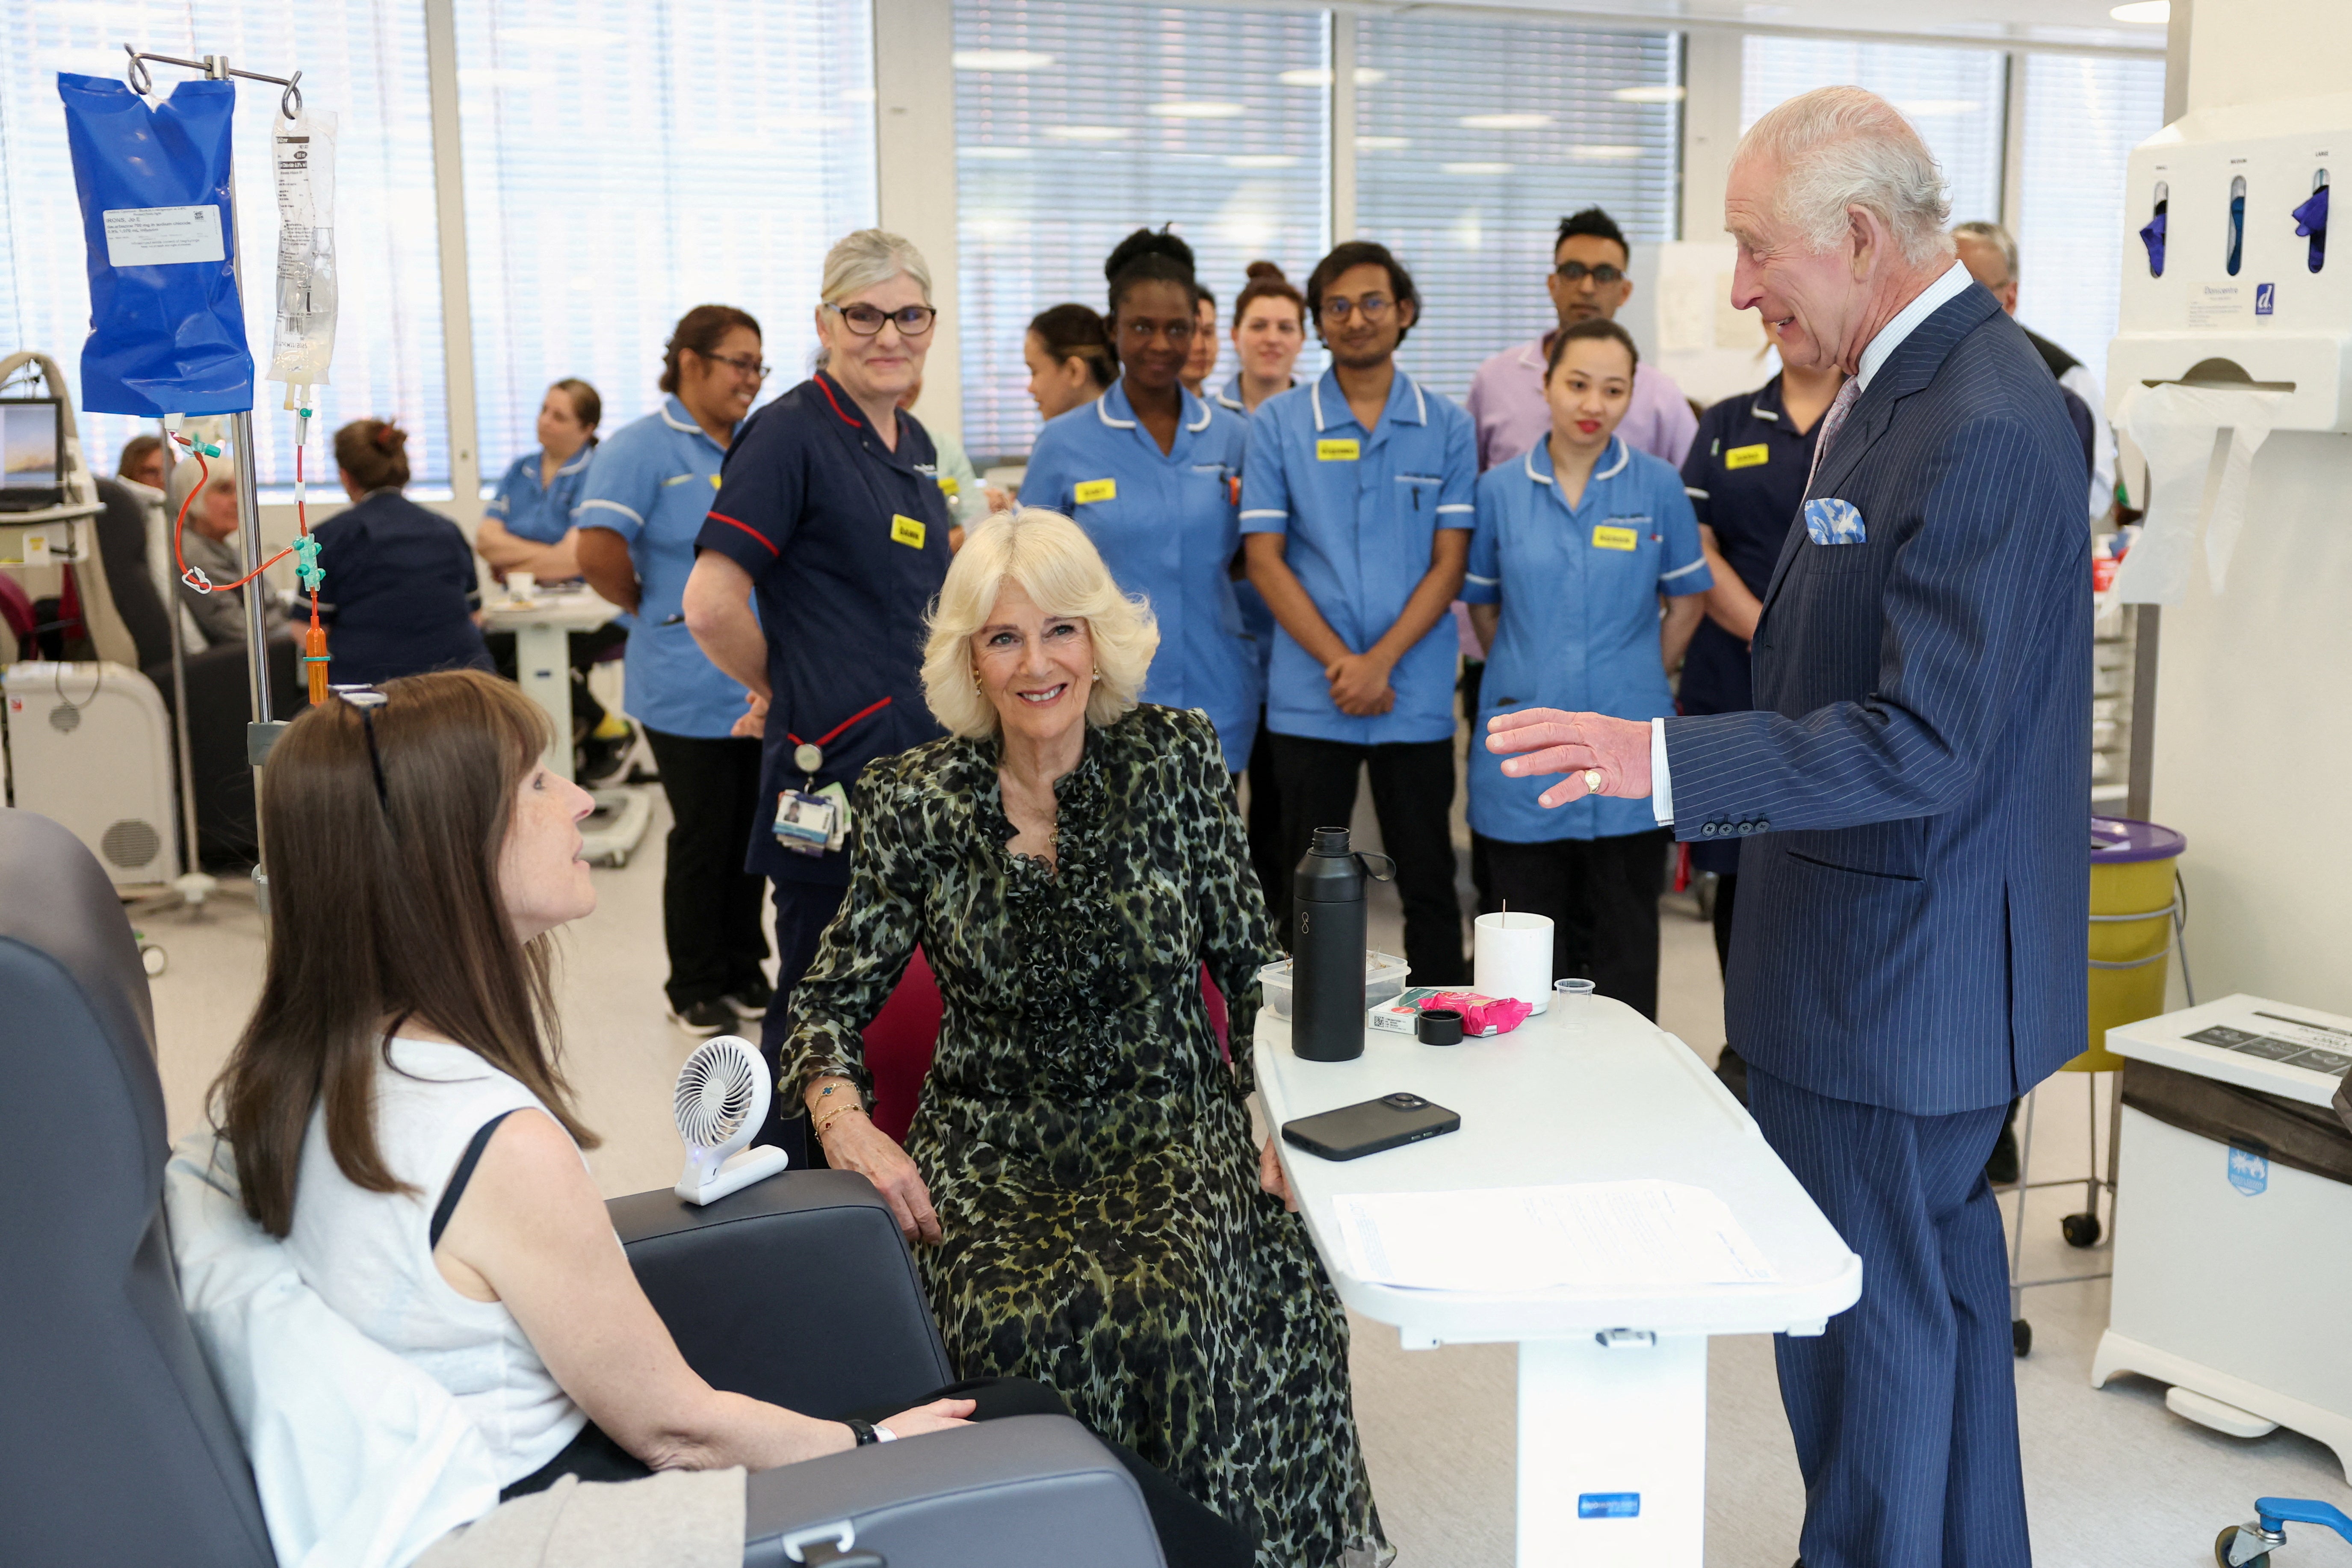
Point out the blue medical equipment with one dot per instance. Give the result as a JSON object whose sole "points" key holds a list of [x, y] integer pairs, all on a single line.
{"points": [[2251, 1545]]}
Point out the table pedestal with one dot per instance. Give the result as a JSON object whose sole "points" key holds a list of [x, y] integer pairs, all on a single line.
{"points": [[1612, 1452]]}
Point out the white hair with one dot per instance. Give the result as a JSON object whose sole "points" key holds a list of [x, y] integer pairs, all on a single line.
{"points": [[870, 256], [1063, 573], [1840, 147]]}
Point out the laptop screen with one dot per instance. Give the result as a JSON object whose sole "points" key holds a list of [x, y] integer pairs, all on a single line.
{"points": [[31, 444]]}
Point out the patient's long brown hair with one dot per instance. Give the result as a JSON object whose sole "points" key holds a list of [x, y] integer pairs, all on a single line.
{"points": [[386, 908]]}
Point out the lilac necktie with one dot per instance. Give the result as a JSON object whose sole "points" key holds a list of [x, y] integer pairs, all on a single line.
{"points": [[1832, 422]]}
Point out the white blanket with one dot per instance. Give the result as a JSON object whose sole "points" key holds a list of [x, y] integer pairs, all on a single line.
{"points": [[362, 1460]]}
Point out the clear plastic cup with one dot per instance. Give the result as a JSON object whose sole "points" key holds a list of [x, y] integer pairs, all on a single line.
{"points": [[1571, 1003]]}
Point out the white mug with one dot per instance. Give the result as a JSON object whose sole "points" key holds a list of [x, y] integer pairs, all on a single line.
{"points": [[521, 586]]}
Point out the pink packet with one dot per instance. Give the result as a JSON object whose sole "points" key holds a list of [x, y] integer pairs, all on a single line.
{"points": [[1481, 1015]]}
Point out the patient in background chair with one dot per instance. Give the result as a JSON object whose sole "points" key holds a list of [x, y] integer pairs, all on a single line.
{"points": [[399, 1112], [207, 541]]}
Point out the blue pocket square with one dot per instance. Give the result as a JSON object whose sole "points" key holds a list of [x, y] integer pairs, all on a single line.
{"points": [[1832, 522]]}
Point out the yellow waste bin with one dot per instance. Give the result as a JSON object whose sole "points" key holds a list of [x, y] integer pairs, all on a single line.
{"points": [[2131, 929]]}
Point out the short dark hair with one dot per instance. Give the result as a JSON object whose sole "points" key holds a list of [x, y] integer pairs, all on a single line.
{"points": [[135, 451], [1074, 332], [1150, 256], [1596, 223], [702, 330], [1592, 327], [1361, 253]]}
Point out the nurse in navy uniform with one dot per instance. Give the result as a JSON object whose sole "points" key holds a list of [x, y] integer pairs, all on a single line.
{"points": [[1746, 478], [829, 512]]}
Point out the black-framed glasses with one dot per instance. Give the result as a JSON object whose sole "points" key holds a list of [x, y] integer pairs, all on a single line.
{"points": [[1577, 272], [367, 700], [866, 320], [742, 364], [1373, 307]]}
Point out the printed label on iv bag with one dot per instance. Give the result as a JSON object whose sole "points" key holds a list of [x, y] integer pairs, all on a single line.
{"points": [[303, 150], [161, 236]]}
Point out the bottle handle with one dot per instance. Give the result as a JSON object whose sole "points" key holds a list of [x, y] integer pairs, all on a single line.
{"points": [[1365, 857]]}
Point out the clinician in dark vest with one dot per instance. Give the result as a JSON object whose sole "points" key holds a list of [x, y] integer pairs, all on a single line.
{"points": [[400, 588], [829, 511], [1746, 478]]}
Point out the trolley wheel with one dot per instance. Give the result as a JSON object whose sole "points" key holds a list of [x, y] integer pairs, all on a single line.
{"points": [[2021, 1335], [2229, 1538], [2081, 1229], [153, 960]]}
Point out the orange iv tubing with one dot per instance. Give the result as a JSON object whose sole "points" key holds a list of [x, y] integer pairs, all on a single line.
{"points": [[305, 549]]}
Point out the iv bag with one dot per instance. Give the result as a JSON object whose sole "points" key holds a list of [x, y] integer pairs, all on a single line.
{"points": [[167, 329], [303, 150]]}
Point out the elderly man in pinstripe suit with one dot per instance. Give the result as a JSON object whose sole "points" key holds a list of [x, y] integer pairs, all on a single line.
{"points": [[1911, 797]]}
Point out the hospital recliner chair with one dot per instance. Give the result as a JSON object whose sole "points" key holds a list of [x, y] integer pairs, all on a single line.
{"points": [[115, 1446]]}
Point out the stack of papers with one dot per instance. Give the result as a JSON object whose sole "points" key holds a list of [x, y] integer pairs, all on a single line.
{"points": [[1597, 1235]]}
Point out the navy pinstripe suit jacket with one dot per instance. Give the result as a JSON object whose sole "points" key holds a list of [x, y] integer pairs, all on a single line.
{"points": [[1912, 792]]}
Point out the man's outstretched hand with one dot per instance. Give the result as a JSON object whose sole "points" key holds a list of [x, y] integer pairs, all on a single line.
{"points": [[1535, 741]]}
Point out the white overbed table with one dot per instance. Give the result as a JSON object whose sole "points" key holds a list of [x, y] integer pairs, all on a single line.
{"points": [[1612, 1384], [543, 625]]}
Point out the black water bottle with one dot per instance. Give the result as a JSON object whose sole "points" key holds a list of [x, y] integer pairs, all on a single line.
{"points": [[1326, 978]]}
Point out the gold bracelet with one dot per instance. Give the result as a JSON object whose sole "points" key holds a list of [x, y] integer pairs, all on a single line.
{"points": [[826, 1125]]}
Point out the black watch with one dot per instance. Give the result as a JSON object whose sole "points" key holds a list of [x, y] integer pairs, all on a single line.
{"points": [[863, 1431]]}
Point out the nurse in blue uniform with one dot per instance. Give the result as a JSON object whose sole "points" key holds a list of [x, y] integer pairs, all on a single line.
{"points": [[528, 526], [643, 501], [1152, 473], [831, 517], [1577, 540], [1356, 505]]}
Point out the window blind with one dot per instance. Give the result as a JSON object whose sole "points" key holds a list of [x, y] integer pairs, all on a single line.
{"points": [[1473, 140], [627, 160], [364, 61], [1078, 123], [2083, 117], [1953, 98]]}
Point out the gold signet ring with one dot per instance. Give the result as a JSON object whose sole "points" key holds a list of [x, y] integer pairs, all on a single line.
{"points": [[1593, 781]]}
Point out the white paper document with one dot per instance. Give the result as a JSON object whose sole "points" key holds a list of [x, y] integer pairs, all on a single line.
{"points": [[1592, 1236]]}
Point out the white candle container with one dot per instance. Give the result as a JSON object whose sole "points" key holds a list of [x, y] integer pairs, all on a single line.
{"points": [[1511, 956]]}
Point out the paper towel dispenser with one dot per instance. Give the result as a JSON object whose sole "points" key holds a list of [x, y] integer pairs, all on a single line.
{"points": [[2227, 282]]}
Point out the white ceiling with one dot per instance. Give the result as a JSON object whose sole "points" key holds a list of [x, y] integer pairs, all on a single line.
{"points": [[2077, 23]]}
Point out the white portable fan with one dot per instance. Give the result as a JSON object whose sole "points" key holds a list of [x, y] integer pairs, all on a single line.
{"points": [[722, 1100]]}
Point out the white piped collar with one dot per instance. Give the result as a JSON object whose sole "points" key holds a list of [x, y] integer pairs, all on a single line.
{"points": [[578, 463], [1189, 402], [1420, 402], [1624, 455], [1102, 409], [674, 415]]}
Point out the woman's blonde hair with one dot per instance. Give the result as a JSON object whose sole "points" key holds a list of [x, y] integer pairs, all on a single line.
{"points": [[1058, 567], [869, 256]]}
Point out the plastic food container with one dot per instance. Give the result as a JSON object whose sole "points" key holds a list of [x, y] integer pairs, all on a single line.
{"points": [[1384, 978]]}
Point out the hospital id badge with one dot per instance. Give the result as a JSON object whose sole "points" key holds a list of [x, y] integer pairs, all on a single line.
{"points": [[810, 823]]}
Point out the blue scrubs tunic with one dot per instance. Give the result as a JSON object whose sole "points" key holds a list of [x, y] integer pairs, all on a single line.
{"points": [[1361, 509], [651, 482], [541, 514], [1746, 478], [1579, 588], [1167, 527], [400, 593], [847, 543]]}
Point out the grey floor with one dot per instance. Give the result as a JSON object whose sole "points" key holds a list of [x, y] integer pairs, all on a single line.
{"points": [[2113, 1477]]}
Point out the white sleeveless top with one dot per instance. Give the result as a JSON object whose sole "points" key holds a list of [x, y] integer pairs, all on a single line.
{"points": [[369, 1254]]}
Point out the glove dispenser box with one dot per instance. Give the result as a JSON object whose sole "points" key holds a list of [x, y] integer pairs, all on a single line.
{"points": [[2232, 295]]}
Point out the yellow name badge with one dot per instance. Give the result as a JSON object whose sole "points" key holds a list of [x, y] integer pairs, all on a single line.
{"points": [[905, 530], [1096, 489], [1607, 538], [1746, 457], [1337, 451], [948, 484]]}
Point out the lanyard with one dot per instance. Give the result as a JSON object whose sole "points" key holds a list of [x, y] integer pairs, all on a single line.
{"points": [[809, 755]]}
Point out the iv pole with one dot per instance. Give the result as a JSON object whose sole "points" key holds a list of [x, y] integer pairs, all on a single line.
{"points": [[263, 730]]}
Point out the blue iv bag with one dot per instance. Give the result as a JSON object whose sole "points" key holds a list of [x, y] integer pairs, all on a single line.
{"points": [[167, 327]]}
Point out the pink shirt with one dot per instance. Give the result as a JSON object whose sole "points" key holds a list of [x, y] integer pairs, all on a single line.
{"points": [[1506, 403]]}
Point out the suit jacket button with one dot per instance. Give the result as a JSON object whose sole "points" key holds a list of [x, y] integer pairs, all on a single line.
{"points": [[1763, 825], [1745, 828], [1709, 830]]}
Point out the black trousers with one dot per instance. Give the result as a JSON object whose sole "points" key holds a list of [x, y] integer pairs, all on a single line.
{"points": [[1601, 895], [711, 905], [1474, 676], [1191, 1536], [1726, 896], [1412, 795], [1265, 827]]}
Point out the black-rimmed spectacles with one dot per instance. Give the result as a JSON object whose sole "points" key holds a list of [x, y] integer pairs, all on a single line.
{"points": [[866, 320], [1577, 272], [743, 364]]}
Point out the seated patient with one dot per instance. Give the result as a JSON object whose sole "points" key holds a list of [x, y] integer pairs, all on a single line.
{"points": [[399, 1113], [1069, 860]]}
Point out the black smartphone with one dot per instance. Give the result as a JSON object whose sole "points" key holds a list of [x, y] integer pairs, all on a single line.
{"points": [[1353, 1131]]}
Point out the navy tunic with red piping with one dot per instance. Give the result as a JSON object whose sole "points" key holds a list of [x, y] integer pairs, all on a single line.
{"points": [[847, 543]]}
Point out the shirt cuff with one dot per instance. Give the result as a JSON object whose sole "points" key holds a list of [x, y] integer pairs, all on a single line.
{"points": [[1661, 785]]}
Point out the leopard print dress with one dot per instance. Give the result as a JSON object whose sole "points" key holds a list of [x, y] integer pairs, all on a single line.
{"points": [[1088, 1150]]}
